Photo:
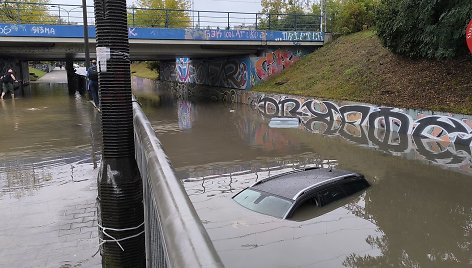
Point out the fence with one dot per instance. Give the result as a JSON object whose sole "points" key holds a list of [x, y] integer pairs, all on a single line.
{"points": [[175, 236], [40, 13]]}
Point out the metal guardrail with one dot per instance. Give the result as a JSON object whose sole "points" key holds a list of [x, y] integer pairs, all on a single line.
{"points": [[175, 236], [27, 13]]}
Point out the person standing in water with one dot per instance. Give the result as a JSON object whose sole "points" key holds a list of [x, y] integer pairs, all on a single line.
{"points": [[7, 83]]}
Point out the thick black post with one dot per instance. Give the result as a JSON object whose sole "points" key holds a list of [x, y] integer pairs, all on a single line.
{"points": [[121, 214], [71, 75]]}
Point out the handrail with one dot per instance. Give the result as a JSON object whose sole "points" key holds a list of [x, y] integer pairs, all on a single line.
{"points": [[179, 233]]}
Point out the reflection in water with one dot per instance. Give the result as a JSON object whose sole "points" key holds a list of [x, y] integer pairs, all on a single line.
{"points": [[48, 179], [441, 153], [45, 139], [185, 114], [414, 215]]}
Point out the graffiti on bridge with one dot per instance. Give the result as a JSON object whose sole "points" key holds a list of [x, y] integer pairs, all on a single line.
{"points": [[300, 36], [229, 73], [237, 72], [46, 30], [274, 63]]}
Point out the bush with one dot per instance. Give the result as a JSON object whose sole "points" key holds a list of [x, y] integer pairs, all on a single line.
{"points": [[350, 16], [424, 28]]}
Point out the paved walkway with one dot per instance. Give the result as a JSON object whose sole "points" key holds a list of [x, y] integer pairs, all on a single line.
{"points": [[57, 75]]}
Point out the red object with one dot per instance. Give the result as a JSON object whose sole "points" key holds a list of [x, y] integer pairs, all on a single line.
{"points": [[468, 36]]}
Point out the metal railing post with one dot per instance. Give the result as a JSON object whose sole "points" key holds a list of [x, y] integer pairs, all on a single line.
{"points": [[167, 19], [228, 22], [198, 14], [18, 13], [268, 15], [132, 15], [256, 19]]}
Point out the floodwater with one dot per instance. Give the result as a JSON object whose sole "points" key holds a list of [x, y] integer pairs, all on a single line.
{"points": [[417, 212], [49, 155]]}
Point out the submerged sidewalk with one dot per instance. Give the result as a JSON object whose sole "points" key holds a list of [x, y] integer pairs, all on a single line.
{"points": [[49, 155]]}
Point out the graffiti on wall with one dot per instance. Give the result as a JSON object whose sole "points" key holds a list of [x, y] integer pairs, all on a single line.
{"points": [[183, 69], [274, 62], [237, 72], [443, 140], [438, 127]]}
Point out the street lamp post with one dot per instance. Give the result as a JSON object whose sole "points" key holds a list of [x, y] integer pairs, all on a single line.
{"points": [[59, 8], [86, 37], [68, 14], [193, 14]]}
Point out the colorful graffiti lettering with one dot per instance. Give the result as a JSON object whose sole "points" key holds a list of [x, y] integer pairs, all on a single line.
{"points": [[274, 63], [437, 127], [183, 69], [240, 73]]}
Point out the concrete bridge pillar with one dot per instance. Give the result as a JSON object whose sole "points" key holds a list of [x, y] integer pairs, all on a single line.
{"points": [[71, 76]]}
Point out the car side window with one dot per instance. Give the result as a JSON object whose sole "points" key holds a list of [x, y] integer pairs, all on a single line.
{"points": [[354, 186], [329, 195]]}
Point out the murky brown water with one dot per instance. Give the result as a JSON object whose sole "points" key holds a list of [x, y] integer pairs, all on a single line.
{"points": [[48, 171], [417, 213]]}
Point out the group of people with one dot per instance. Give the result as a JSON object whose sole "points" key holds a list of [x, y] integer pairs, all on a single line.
{"points": [[9, 78], [7, 83]]}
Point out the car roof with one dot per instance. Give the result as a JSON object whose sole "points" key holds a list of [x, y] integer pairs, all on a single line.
{"points": [[292, 184]]}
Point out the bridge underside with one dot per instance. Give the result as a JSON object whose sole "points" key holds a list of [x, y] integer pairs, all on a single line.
{"points": [[27, 48]]}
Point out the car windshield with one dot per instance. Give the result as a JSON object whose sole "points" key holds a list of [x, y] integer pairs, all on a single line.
{"points": [[263, 202]]}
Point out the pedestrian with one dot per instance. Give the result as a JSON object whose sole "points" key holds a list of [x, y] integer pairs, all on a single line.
{"points": [[7, 83], [92, 75]]}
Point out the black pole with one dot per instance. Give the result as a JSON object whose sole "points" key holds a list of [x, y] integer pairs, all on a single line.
{"points": [[86, 36], [120, 192]]}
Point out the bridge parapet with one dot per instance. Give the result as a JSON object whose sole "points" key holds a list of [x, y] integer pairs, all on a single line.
{"points": [[76, 31]]}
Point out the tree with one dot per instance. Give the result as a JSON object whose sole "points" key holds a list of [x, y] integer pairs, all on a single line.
{"points": [[288, 15], [424, 28], [349, 16], [26, 11], [160, 13]]}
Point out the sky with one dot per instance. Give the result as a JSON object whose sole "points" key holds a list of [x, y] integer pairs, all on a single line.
{"points": [[208, 19], [210, 5]]}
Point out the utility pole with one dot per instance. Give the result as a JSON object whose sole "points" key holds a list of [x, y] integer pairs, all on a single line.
{"points": [[86, 36]]}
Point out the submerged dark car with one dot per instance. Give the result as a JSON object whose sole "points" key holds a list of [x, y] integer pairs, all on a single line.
{"points": [[280, 195]]}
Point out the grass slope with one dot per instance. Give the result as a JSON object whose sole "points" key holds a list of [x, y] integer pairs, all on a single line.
{"points": [[141, 69], [358, 68], [35, 74]]}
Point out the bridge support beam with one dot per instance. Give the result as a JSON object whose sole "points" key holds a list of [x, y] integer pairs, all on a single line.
{"points": [[71, 76]]}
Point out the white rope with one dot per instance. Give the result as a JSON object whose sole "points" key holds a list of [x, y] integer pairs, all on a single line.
{"points": [[103, 241]]}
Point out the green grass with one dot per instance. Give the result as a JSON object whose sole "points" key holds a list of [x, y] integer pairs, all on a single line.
{"points": [[357, 67], [141, 69], [35, 74]]}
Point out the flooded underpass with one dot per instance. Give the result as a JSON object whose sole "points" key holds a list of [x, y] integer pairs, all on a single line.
{"points": [[417, 212], [49, 153]]}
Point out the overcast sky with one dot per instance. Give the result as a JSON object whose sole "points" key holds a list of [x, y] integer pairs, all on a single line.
{"points": [[210, 5]]}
